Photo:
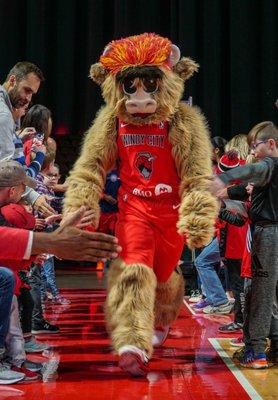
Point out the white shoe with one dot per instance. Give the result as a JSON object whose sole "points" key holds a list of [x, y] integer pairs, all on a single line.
{"points": [[160, 335], [195, 296], [133, 360]]}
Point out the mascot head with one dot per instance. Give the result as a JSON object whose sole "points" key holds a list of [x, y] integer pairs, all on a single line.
{"points": [[142, 77]]}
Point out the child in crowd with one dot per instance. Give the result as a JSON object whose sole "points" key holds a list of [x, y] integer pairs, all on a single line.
{"points": [[21, 136], [47, 180], [109, 203], [39, 118], [232, 243], [263, 317]]}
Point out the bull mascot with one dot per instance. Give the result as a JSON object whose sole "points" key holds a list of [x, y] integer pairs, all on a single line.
{"points": [[162, 149]]}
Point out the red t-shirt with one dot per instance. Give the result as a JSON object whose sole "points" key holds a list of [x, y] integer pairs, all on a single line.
{"points": [[147, 168]]}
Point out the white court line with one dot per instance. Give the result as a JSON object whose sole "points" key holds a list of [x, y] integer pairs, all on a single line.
{"points": [[254, 395], [188, 306]]}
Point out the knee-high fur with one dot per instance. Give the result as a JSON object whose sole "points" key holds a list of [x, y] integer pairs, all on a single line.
{"points": [[169, 297], [130, 305]]}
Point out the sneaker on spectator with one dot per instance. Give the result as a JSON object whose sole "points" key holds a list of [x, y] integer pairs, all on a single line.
{"points": [[237, 342], [32, 346], [239, 354], [48, 295], [160, 335], [230, 328], [195, 296], [252, 360], [32, 366], [221, 309], [45, 327], [29, 375], [8, 377], [201, 304], [60, 300]]}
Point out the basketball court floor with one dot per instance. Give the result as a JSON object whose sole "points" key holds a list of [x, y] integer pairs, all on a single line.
{"points": [[195, 362]]}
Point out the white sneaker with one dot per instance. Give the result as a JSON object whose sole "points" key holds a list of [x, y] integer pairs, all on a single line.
{"points": [[160, 335], [221, 309], [195, 296], [8, 377]]}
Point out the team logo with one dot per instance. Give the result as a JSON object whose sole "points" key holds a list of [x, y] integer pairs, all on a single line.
{"points": [[144, 164], [162, 188]]}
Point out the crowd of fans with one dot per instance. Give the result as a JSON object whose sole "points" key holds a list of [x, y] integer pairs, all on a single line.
{"points": [[31, 234], [229, 277]]}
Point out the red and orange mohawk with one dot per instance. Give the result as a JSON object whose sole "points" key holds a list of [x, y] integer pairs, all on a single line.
{"points": [[144, 49]]}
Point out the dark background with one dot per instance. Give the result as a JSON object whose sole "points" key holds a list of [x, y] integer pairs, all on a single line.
{"points": [[234, 41]]}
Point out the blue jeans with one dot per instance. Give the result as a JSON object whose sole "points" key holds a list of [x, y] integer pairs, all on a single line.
{"points": [[48, 277], [212, 286], [7, 282]]}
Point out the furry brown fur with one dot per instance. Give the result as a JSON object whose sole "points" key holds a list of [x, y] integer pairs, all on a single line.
{"points": [[130, 305], [191, 149], [168, 300]]}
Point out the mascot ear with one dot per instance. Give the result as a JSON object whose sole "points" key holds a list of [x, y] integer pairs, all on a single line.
{"points": [[185, 68], [174, 55], [98, 73]]}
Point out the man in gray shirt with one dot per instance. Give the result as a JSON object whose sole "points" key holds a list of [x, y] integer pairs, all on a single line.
{"points": [[22, 82]]}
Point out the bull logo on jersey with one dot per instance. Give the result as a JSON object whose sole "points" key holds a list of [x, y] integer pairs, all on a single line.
{"points": [[144, 164]]}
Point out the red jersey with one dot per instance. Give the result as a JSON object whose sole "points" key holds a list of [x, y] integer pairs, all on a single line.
{"points": [[147, 168]]}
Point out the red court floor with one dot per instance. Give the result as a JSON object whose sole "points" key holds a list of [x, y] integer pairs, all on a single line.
{"points": [[186, 367]]}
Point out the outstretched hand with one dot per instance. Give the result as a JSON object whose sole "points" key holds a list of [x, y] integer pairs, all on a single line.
{"points": [[72, 243], [217, 186]]}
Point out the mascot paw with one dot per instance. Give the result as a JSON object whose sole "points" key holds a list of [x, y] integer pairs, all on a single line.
{"points": [[160, 335], [198, 242], [133, 361], [198, 230]]}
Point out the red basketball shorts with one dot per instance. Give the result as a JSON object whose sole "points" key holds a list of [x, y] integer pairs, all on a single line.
{"points": [[148, 234]]}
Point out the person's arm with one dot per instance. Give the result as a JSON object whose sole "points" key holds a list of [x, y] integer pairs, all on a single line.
{"points": [[231, 218], [259, 173], [35, 166], [14, 243], [38, 202], [6, 137], [61, 187], [237, 192], [72, 243]]}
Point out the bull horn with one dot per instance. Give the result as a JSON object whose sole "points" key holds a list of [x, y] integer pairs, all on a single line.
{"points": [[174, 55]]}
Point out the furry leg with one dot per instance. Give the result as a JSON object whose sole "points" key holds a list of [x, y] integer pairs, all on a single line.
{"points": [[169, 297], [130, 305]]}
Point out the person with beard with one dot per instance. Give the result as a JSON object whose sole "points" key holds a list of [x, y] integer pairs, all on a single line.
{"points": [[22, 82]]}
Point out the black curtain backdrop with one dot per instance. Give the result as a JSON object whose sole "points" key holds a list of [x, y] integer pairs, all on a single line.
{"points": [[234, 41]]}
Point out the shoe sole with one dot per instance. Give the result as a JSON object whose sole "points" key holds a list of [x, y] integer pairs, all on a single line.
{"points": [[35, 351], [10, 381], [237, 345], [43, 331], [218, 312], [254, 366]]}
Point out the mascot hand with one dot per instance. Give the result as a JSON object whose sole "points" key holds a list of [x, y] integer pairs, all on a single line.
{"points": [[198, 212], [198, 233]]}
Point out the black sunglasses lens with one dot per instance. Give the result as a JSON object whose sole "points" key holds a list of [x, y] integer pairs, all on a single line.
{"points": [[129, 86], [150, 84]]}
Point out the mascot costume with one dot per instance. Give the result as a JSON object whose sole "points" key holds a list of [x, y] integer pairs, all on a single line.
{"points": [[161, 148]]}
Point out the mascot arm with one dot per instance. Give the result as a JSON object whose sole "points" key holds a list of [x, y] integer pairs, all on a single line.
{"points": [[192, 150], [98, 155]]}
